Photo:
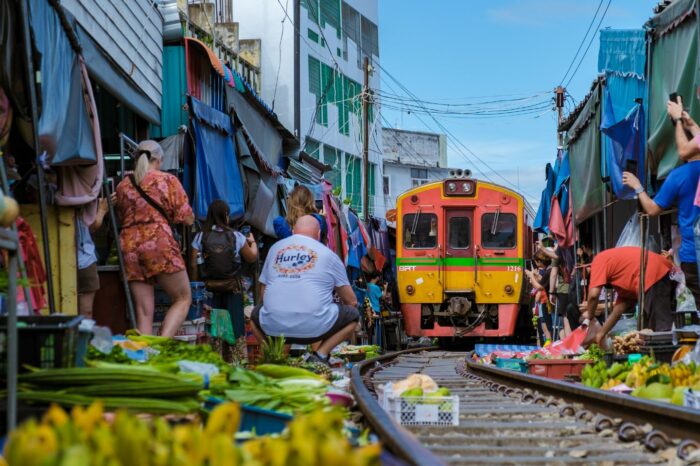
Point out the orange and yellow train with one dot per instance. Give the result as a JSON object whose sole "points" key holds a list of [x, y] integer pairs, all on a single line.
{"points": [[462, 245]]}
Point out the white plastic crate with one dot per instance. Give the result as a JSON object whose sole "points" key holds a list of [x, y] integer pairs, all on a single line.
{"points": [[692, 399], [188, 327], [420, 410]]}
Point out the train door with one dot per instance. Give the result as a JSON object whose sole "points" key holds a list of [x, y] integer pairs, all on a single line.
{"points": [[498, 254], [459, 249]]}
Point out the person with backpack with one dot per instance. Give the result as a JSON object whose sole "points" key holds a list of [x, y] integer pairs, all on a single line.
{"points": [[218, 250]]}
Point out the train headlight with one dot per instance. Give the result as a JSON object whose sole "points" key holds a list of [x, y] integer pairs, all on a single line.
{"points": [[508, 289], [410, 290], [467, 188], [451, 187]]}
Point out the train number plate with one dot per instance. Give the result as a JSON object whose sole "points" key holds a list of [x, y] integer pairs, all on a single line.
{"points": [[514, 268]]}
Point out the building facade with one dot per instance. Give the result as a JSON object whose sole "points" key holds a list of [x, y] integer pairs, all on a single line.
{"points": [[312, 55], [411, 158]]}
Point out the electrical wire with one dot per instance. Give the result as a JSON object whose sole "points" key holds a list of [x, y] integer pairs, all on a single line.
{"points": [[583, 41], [279, 59], [589, 44]]}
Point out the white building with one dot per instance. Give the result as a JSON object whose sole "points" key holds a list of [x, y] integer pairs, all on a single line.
{"points": [[311, 58], [411, 158]]}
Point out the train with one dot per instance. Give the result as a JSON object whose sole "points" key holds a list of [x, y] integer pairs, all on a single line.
{"points": [[461, 248]]}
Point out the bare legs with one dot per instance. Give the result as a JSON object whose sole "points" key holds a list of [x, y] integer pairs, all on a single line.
{"points": [[177, 286], [85, 301], [327, 345]]}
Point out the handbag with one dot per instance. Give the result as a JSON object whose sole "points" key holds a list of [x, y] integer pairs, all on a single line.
{"points": [[155, 205]]}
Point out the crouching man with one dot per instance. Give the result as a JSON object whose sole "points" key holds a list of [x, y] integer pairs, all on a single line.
{"points": [[619, 268], [298, 280]]}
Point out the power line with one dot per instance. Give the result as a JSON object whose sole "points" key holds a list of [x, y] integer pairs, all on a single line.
{"points": [[589, 44], [583, 41]]}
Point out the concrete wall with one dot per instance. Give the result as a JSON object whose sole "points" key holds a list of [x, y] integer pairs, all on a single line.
{"points": [[400, 181], [131, 32], [414, 147]]}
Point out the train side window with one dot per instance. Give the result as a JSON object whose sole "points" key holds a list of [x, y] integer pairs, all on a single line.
{"points": [[498, 232], [459, 232], [420, 231]]}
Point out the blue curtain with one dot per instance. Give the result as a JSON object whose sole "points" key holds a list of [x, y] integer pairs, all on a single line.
{"points": [[542, 218], [217, 175], [624, 142]]}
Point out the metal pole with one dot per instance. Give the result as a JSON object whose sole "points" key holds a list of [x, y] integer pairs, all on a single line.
{"points": [[32, 80], [365, 139], [12, 338]]}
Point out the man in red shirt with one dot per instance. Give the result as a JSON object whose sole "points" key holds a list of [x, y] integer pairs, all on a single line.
{"points": [[619, 268]]}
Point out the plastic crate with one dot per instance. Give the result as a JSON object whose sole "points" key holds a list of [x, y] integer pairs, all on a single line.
{"points": [[200, 297], [513, 364], [692, 398], [43, 341], [263, 421], [423, 410], [188, 327], [661, 353], [557, 368], [84, 337]]}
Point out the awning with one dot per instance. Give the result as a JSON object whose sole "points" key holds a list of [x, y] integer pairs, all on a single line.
{"points": [[64, 129], [110, 76], [215, 61], [265, 137], [587, 187], [217, 174], [674, 65]]}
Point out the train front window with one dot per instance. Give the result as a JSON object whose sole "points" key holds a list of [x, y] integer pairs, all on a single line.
{"points": [[420, 231], [459, 231], [498, 231]]}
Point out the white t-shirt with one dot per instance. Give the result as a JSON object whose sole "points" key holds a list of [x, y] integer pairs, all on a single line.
{"points": [[300, 275], [240, 239]]}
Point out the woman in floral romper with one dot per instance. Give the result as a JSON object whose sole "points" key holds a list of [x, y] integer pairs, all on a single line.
{"points": [[151, 254]]}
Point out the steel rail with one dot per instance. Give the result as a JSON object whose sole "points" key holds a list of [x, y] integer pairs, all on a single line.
{"points": [[673, 420], [399, 441]]}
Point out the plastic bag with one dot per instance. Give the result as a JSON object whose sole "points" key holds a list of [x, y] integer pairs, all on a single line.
{"points": [[201, 368], [693, 356], [685, 302], [630, 236], [221, 326], [626, 324]]}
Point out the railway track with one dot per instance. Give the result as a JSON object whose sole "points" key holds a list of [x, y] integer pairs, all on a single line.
{"points": [[508, 418]]}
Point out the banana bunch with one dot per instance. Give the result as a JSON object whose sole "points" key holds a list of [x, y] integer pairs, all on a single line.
{"points": [[85, 438], [684, 375]]}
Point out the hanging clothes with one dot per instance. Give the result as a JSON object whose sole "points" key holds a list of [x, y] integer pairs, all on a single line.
{"points": [[542, 218]]}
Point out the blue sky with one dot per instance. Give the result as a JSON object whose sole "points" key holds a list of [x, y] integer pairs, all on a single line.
{"points": [[457, 50]]}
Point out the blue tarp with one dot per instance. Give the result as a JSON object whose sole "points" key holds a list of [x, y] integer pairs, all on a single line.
{"points": [[624, 142], [542, 218], [622, 58], [217, 175]]}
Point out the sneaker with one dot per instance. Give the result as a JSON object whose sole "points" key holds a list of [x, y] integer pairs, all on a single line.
{"points": [[317, 359]]}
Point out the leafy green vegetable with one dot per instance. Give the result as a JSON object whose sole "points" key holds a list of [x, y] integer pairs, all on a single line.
{"points": [[594, 352]]}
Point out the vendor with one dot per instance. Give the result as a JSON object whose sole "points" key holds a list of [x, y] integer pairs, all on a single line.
{"points": [[619, 268], [298, 280]]}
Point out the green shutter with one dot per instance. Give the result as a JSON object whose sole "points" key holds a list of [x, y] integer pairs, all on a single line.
{"points": [[313, 35], [353, 181], [331, 156], [312, 9], [315, 87], [330, 14], [313, 148]]}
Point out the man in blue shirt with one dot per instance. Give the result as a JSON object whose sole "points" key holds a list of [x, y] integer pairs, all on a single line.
{"points": [[678, 189]]}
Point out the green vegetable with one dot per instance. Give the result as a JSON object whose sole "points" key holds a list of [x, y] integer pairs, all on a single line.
{"points": [[146, 405], [96, 375], [140, 389], [282, 372], [594, 353]]}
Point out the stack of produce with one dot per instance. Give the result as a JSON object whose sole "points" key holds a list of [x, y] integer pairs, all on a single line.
{"points": [[646, 378], [142, 389], [418, 385], [280, 388], [85, 437], [627, 344], [359, 351]]}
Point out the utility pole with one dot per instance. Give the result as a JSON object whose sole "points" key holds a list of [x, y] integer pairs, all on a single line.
{"points": [[559, 95], [365, 139]]}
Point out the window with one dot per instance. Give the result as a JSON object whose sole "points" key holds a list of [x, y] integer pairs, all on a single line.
{"points": [[419, 173], [415, 183], [331, 156], [459, 233], [420, 231], [386, 188], [498, 231], [313, 148]]}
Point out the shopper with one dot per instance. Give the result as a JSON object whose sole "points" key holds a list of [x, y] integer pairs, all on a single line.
{"points": [[148, 202], [678, 189], [375, 293], [300, 202], [88, 279], [619, 268], [298, 280], [217, 251], [539, 280]]}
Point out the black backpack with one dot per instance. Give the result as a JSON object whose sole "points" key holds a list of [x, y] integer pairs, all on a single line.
{"points": [[221, 260]]}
